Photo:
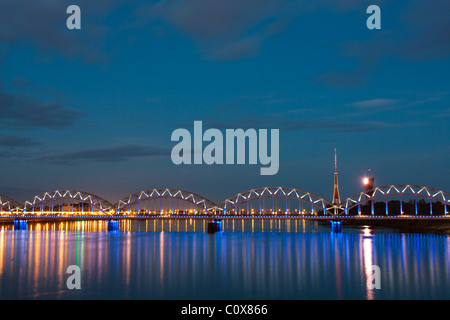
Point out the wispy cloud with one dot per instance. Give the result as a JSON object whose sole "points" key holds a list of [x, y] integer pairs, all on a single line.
{"points": [[375, 103], [21, 82], [278, 121], [420, 35], [18, 111], [223, 30], [43, 25], [15, 141], [112, 154]]}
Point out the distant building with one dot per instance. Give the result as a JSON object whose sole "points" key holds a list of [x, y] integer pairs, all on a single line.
{"points": [[369, 182]]}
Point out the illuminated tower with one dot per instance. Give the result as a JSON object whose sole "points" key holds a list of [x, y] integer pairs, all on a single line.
{"points": [[336, 198], [369, 182]]}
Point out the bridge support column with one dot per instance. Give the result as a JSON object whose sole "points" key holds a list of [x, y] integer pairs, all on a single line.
{"points": [[273, 205], [286, 200], [387, 206], [214, 226], [401, 206]]}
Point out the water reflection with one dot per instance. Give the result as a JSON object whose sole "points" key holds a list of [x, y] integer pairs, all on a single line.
{"points": [[271, 259], [368, 259]]}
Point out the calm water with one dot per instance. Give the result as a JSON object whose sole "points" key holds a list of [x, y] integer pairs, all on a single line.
{"points": [[251, 259]]}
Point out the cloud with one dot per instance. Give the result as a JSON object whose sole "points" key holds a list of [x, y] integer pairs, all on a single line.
{"points": [[14, 141], [428, 31], [21, 82], [333, 126], [113, 154], [223, 30], [413, 33], [346, 79], [275, 121], [12, 155], [18, 111], [245, 48], [43, 25], [375, 103], [405, 105], [210, 18], [18, 194]]}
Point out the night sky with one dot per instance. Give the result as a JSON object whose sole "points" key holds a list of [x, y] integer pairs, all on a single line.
{"points": [[94, 109]]}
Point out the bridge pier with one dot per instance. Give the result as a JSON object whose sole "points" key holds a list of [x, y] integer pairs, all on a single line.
{"points": [[20, 224], [214, 226]]}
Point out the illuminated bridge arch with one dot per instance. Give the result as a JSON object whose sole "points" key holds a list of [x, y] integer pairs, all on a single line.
{"points": [[303, 202], [7, 204], [66, 201], [141, 203], [397, 192]]}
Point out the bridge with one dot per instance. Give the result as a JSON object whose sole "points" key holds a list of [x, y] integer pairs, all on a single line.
{"points": [[386, 202]]}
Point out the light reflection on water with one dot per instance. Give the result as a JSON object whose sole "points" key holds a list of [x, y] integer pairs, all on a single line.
{"points": [[251, 259]]}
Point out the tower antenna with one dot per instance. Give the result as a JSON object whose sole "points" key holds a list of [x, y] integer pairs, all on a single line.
{"points": [[335, 160]]}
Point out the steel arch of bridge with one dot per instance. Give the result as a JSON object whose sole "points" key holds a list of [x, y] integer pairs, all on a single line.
{"points": [[136, 198], [394, 191], [8, 202], [313, 200], [85, 197]]}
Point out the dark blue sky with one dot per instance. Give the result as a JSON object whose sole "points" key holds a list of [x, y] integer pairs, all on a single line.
{"points": [[94, 109]]}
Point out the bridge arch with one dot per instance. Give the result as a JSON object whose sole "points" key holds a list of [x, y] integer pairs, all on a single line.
{"points": [[195, 203], [66, 201], [396, 191], [313, 203], [7, 204]]}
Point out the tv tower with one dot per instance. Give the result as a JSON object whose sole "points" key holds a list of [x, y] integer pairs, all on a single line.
{"points": [[336, 198]]}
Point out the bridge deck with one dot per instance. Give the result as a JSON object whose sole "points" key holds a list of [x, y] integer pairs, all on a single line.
{"points": [[11, 218]]}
